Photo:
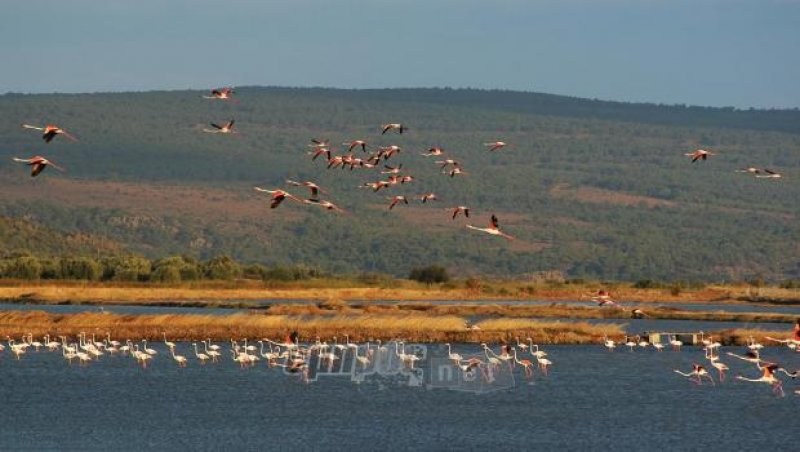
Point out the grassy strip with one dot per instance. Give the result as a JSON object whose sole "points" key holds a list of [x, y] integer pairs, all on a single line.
{"points": [[348, 289], [413, 327], [540, 311]]}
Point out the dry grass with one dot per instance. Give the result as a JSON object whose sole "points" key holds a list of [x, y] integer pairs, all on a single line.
{"points": [[415, 327], [740, 336], [342, 289], [551, 332], [516, 311]]}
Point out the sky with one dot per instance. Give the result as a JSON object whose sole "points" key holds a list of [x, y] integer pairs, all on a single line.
{"points": [[741, 53]]}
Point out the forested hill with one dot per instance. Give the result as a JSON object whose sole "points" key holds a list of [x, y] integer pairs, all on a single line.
{"points": [[590, 188]]}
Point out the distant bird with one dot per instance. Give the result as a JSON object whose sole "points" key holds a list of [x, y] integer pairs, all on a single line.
{"points": [[277, 196], [750, 170], [38, 164], [397, 199], [493, 229], [375, 186], [456, 171], [50, 131], [315, 189], [392, 169], [324, 204], [699, 154], [770, 175], [396, 126], [317, 143], [433, 152], [444, 163], [427, 197], [221, 94], [407, 179], [495, 145], [461, 209], [225, 128], [321, 151], [356, 143], [388, 151]]}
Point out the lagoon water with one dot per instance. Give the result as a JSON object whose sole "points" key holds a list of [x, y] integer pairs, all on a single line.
{"points": [[592, 400]]}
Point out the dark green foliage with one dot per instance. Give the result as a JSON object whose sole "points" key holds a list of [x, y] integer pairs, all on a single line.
{"points": [[222, 267], [430, 274], [81, 268]]}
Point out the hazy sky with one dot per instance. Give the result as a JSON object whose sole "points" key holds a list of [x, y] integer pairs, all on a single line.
{"points": [[705, 52]]}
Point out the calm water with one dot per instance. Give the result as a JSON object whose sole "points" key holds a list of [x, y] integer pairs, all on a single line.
{"points": [[592, 399]]}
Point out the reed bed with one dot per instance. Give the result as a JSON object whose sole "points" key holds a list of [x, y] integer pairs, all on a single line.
{"points": [[413, 327], [539, 311], [400, 290], [740, 336]]}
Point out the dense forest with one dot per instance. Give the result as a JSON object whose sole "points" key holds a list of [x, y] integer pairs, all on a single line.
{"points": [[590, 188]]}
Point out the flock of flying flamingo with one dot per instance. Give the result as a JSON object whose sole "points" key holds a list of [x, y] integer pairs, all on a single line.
{"points": [[372, 159]]}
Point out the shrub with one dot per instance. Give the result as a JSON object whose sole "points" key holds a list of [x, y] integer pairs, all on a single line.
{"points": [[790, 284], [430, 274], [25, 267], [167, 274], [81, 268], [222, 267]]}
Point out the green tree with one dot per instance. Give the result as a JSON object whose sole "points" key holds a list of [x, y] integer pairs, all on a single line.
{"points": [[430, 274]]}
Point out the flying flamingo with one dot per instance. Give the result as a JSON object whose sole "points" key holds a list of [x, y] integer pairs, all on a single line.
{"points": [[38, 164], [392, 169], [396, 126], [387, 151], [277, 196], [456, 171], [493, 146], [397, 199], [698, 372], [321, 151], [324, 204], [427, 197], [444, 163], [770, 175], [355, 143], [50, 131], [433, 152], [493, 229], [461, 209], [221, 94], [315, 189], [768, 377], [700, 154], [225, 128], [750, 170], [375, 186], [319, 143]]}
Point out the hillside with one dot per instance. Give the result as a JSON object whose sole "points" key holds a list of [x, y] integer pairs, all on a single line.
{"points": [[20, 236], [590, 188]]}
